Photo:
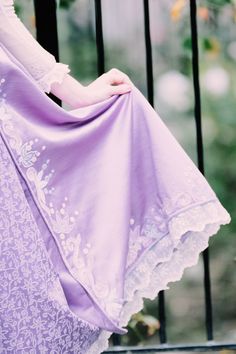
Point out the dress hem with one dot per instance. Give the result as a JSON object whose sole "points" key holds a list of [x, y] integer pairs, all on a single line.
{"points": [[165, 264]]}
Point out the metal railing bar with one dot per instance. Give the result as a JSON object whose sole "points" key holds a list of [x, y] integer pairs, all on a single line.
{"points": [[116, 340], [99, 38], [162, 317], [207, 294], [196, 85], [196, 347], [197, 109], [46, 29], [148, 45], [150, 91]]}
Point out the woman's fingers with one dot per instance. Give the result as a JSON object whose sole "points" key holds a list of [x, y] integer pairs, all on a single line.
{"points": [[119, 89], [113, 82], [116, 77]]}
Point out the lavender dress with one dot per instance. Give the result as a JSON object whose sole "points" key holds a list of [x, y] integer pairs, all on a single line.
{"points": [[100, 207]]}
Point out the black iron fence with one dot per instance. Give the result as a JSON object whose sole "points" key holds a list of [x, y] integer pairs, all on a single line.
{"points": [[46, 23]]}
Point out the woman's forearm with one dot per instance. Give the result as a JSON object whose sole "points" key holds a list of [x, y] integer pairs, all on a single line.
{"points": [[72, 92]]}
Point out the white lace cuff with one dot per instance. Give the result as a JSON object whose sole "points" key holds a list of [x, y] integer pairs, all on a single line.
{"points": [[56, 74]]}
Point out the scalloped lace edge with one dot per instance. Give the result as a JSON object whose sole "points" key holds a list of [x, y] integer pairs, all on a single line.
{"points": [[165, 262], [57, 74]]}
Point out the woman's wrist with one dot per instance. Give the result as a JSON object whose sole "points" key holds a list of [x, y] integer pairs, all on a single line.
{"points": [[70, 91]]}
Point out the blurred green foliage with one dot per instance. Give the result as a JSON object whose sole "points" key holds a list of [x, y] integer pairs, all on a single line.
{"points": [[65, 4]]}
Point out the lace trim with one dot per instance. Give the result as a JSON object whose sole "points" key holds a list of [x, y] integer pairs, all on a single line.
{"points": [[165, 262], [57, 74]]}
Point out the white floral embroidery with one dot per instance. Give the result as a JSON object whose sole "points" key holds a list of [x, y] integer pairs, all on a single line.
{"points": [[34, 315]]}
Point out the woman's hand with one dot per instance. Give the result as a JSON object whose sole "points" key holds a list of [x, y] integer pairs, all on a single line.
{"points": [[76, 95], [111, 83]]}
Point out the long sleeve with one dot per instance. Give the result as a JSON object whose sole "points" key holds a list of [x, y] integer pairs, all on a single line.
{"points": [[39, 63]]}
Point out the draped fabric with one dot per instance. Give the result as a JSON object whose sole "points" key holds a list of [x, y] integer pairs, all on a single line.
{"points": [[100, 208]]}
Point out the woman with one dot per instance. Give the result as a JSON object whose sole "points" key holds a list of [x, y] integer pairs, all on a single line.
{"points": [[99, 205]]}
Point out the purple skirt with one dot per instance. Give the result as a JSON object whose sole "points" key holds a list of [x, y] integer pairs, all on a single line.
{"points": [[100, 207]]}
